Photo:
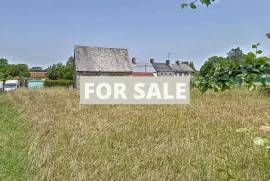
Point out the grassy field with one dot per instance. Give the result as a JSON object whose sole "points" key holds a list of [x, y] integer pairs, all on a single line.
{"points": [[193, 142], [14, 133]]}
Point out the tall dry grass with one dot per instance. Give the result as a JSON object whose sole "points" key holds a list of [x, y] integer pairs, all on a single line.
{"points": [[194, 142]]}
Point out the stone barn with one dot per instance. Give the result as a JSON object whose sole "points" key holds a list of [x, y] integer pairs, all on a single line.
{"points": [[97, 61]]}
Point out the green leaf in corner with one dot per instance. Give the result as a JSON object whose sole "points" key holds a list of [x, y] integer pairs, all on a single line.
{"points": [[268, 35], [193, 5], [259, 52], [203, 1]]}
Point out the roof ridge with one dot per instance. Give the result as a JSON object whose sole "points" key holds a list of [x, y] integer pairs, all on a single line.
{"points": [[99, 47]]}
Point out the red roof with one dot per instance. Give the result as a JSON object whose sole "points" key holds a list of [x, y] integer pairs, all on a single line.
{"points": [[141, 74], [38, 74]]}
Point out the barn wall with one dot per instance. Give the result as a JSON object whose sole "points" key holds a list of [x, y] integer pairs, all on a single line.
{"points": [[77, 76]]}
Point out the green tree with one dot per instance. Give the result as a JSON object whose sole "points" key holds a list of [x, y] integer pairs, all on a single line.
{"points": [[210, 65], [20, 70], [9, 71], [68, 73], [236, 55], [56, 71], [62, 71], [190, 64], [25, 71], [3, 62]]}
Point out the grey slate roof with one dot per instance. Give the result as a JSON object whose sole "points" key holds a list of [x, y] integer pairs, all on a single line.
{"points": [[97, 59], [182, 68], [164, 67]]}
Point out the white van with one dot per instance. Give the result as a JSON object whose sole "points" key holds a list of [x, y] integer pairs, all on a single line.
{"points": [[1, 85], [11, 85]]}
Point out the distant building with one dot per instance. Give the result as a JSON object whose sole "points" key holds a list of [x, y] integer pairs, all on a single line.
{"points": [[97, 61], [38, 75], [168, 69]]}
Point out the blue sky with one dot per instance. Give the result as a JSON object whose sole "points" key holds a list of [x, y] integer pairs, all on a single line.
{"points": [[43, 32]]}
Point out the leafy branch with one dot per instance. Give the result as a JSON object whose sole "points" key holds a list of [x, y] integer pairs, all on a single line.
{"points": [[268, 35], [193, 4], [223, 75]]}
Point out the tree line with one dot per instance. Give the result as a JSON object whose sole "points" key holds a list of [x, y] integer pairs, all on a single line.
{"points": [[10, 71], [22, 71]]}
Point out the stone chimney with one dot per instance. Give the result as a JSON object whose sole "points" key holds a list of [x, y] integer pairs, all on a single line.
{"points": [[134, 61], [168, 62]]}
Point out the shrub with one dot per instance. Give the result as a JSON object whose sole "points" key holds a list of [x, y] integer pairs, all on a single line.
{"points": [[58, 83]]}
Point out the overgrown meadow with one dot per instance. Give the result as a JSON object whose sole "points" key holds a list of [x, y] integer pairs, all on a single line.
{"points": [[219, 136]]}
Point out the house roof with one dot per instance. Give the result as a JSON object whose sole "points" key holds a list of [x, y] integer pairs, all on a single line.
{"points": [[97, 59], [164, 67], [182, 68], [39, 74]]}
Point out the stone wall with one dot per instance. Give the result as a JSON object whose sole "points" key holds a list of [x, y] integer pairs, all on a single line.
{"points": [[78, 74]]}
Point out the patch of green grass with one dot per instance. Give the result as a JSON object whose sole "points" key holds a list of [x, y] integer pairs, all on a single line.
{"points": [[14, 133]]}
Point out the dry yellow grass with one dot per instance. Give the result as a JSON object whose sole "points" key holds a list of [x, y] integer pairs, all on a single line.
{"points": [[194, 142]]}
